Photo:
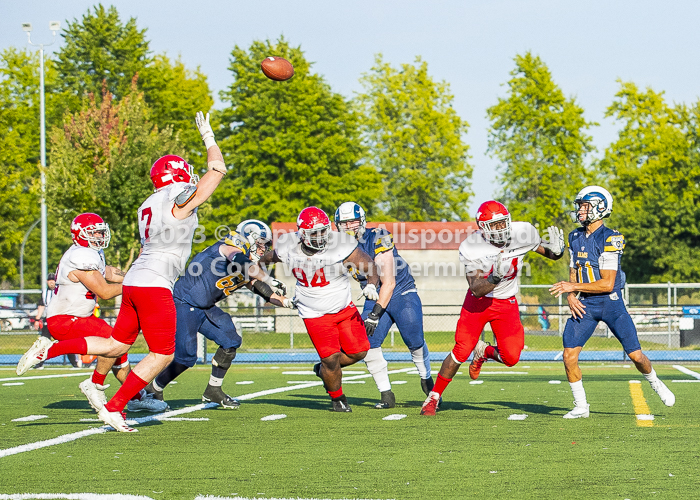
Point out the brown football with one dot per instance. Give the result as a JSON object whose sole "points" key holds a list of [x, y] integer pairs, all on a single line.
{"points": [[277, 68]]}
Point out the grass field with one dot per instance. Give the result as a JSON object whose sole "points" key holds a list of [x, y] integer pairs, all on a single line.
{"points": [[469, 450]]}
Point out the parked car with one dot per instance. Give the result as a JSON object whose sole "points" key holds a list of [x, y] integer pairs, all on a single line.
{"points": [[13, 319]]}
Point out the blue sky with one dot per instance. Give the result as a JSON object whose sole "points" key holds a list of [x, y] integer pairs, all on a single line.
{"points": [[587, 45]]}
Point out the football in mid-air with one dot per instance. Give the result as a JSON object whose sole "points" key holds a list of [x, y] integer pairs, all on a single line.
{"points": [[277, 68]]}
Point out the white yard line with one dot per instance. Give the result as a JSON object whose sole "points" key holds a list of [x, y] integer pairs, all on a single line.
{"points": [[687, 371], [38, 377], [163, 416], [72, 496]]}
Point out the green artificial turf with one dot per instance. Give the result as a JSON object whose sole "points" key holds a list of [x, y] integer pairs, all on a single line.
{"points": [[470, 449]]}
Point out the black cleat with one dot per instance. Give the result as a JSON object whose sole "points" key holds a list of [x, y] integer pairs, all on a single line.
{"points": [[427, 385], [217, 395], [388, 400], [341, 404], [153, 392]]}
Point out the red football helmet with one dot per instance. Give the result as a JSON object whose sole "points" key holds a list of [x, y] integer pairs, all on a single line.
{"points": [[90, 231], [314, 227], [169, 169], [490, 217]]}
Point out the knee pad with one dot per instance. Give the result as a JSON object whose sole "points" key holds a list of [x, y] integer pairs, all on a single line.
{"points": [[224, 357]]}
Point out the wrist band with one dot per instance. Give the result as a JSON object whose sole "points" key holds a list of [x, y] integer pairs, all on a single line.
{"points": [[493, 279]]}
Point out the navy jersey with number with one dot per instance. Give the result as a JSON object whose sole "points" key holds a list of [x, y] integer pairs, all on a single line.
{"points": [[210, 277], [376, 241], [586, 252]]}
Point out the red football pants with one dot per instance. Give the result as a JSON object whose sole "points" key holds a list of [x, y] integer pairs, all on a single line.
{"points": [[504, 316], [343, 330], [151, 310], [64, 327]]}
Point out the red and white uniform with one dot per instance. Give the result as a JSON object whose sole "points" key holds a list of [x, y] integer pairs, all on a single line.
{"points": [[167, 241], [323, 282], [70, 313], [499, 307], [323, 293], [147, 299], [74, 299]]}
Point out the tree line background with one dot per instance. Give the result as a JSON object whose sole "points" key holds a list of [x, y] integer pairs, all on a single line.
{"points": [[397, 147]]}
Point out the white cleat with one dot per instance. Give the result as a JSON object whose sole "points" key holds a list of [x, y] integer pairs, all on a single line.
{"points": [[480, 349], [95, 393], [34, 355], [667, 397], [147, 403], [579, 412], [115, 419]]}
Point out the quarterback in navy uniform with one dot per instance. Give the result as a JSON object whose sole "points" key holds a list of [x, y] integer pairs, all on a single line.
{"points": [[595, 294], [404, 308], [214, 274]]}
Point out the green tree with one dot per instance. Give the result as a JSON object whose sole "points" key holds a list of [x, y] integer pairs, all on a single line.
{"points": [[654, 170], [101, 48], [538, 135], [288, 144], [19, 158], [415, 140], [100, 162]]}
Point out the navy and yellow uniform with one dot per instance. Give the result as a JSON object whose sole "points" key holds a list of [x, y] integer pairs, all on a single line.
{"points": [[405, 307], [590, 254], [210, 277]]}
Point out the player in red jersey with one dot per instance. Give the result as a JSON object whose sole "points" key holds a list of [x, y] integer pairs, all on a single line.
{"points": [[319, 259], [493, 260], [167, 222], [82, 276]]}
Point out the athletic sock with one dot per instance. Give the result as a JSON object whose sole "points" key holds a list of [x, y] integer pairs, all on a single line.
{"points": [[70, 346], [131, 387], [441, 384], [215, 381], [492, 353], [98, 378], [378, 368], [651, 376], [170, 373], [579, 393], [336, 394], [421, 358]]}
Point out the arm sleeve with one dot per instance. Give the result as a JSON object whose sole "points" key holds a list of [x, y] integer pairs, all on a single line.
{"points": [[608, 261]]}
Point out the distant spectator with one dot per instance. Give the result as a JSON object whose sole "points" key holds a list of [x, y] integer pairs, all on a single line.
{"points": [[543, 317]]}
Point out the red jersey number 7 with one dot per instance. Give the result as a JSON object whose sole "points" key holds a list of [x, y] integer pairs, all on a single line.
{"points": [[147, 214]]}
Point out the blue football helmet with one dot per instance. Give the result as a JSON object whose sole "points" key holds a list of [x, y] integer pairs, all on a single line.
{"points": [[259, 236], [349, 212], [600, 204]]}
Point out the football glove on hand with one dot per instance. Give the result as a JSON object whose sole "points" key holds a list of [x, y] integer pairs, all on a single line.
{"points": [[555, 241], [289, 303], [370, 291], [500, 268], [279, 287], [205, 129], [373, 319]]}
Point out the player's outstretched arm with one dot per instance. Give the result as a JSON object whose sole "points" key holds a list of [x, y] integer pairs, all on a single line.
{"points": [[552, 245], [217, 169], [96, 283], [364, 264], [114, 274]]}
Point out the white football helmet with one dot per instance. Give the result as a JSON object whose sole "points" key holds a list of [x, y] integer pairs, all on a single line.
{"points": [[600, 205], [258, 235], [349, 212]]}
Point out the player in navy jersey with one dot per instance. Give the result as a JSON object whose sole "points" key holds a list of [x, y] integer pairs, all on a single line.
{"points": [[404, 308], [214, 274], [595, 294]]}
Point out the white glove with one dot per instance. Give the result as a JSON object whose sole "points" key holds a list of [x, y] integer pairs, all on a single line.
{"points": [[500, 269], [289, 303], [555, 241], [370, 291], [205, 129], [279, 287]]}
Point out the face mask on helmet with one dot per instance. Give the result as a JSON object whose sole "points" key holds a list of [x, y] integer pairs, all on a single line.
{"points": [[592, 203], [89, 230], [493, 219], [316, 238], [350, 218], [259, 236]]}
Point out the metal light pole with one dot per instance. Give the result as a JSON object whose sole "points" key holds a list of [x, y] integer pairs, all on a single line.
{"points": [[21, 262], [54, 26]]}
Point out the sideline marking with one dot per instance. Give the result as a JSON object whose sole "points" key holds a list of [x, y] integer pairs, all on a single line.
{"points": [[518, 416], [685, 370], [395, 416], [161, 416], [686, 380], [73, 496], [278, 416], [14, 383], [641, 409], [37, 377], [503, 373]]}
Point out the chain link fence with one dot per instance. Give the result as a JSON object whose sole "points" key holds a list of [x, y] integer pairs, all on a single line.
{"points": [[667, 317]]}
